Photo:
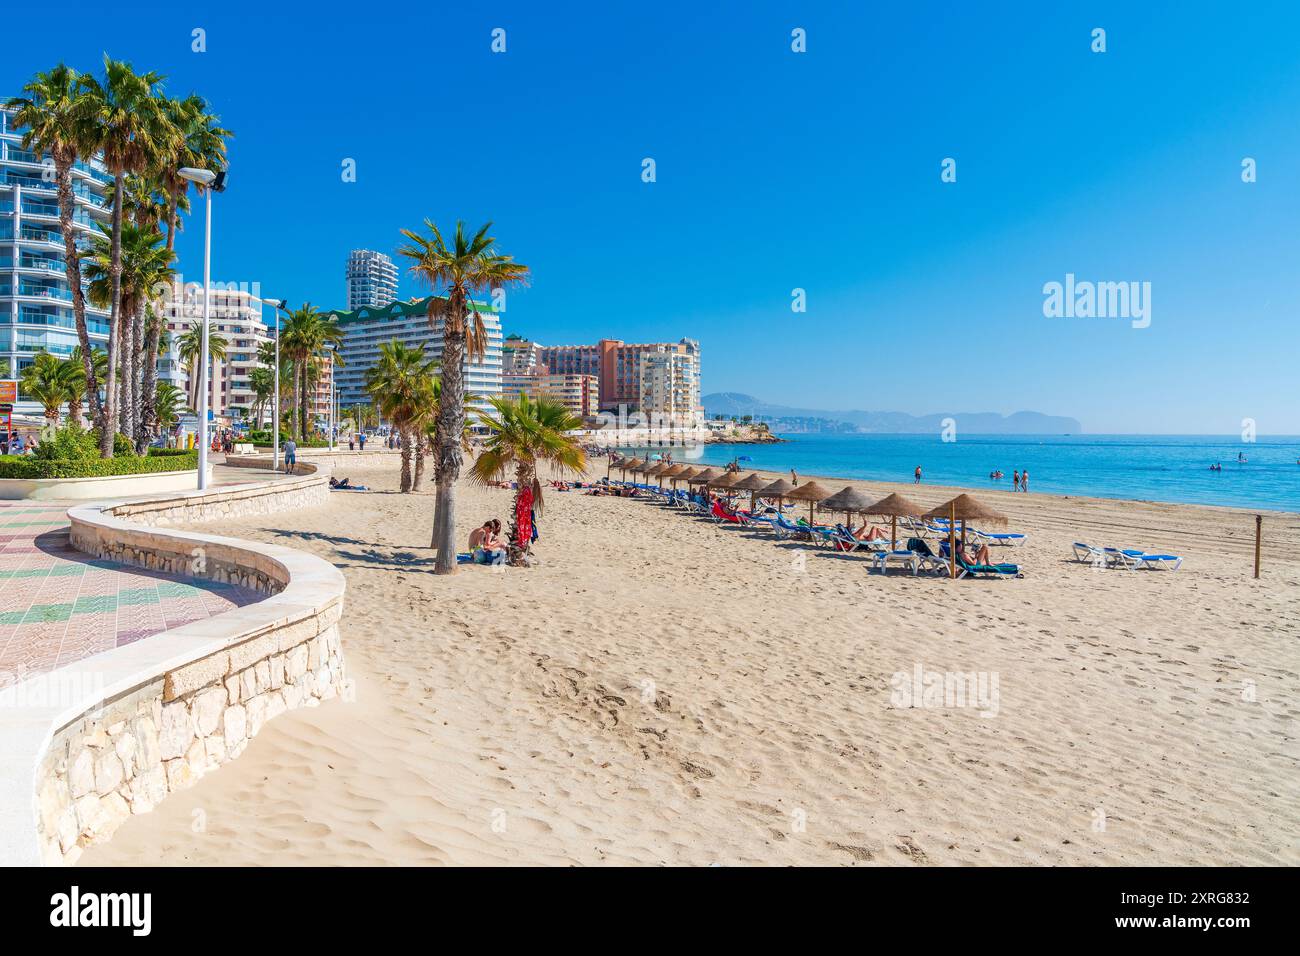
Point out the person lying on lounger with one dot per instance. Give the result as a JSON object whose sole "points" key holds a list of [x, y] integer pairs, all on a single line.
{"points": [[869, 532]]}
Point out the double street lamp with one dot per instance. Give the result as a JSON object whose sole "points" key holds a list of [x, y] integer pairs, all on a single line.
{"points": [[209, 182]]}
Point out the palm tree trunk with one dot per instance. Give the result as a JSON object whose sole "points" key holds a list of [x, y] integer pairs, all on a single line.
{"points": [[114, 332], [149, 386], [516, 547], [451, 423], [421, 449], [404, 437], [72, 269]]}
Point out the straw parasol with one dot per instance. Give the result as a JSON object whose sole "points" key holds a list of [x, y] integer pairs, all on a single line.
{"points": [[677, 472], [963, 508], [753, 483], [655, 470], [777, 489], [706, 477], [895, 506], [848, 499], [627, 464], [810, 492], [684, 471], [728, 480]]}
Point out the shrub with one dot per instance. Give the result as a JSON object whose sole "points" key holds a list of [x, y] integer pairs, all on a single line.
{"points": [[69, 443], [30, 466]]}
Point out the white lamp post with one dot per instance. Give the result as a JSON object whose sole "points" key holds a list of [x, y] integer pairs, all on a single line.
{"points": [[277, 306], [209, 182]]}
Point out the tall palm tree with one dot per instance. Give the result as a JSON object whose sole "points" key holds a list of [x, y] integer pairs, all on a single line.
{"points": [[470, 265], [262, 381], [426, 436], [201, 145], [307, 338], [99, 363], [134, 133], [401, 385], [145, 270], [52, 111], [167, 404], [188, 346], [48, 380], [524, 432]]}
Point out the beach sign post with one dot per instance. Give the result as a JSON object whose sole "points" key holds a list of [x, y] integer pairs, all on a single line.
{"points": [[1259, 531]]}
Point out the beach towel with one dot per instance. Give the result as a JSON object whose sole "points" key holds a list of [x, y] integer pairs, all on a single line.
{"points": [[524, 516]]}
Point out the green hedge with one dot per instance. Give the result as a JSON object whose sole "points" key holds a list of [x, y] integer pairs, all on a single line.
{"points": [[27, 466], [171, 452]]}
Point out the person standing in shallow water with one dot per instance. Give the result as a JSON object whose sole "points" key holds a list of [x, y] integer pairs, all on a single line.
{"points": [[1024, 481], [917, 479], [1015, 480]]}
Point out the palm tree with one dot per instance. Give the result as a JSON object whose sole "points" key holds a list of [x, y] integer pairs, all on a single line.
{"points": [[401, 385], [471, 265], [426, 437], [262, 381], [525, 431], [307, 338], [134, 134], [53, 113], [99, 364], [145, 270], [166, 405], [48, 380], [201, 145], [188, 345]]}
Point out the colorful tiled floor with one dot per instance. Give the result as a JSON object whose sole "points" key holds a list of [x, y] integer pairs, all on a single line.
{"points": [[58, 605]]}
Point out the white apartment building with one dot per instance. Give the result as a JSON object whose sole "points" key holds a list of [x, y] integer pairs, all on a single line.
{"points": [[371, 279], [670, 384], [236, 316], [365, 329]]}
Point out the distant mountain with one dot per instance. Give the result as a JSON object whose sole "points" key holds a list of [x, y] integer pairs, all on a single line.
{"points": [[979, 423]]}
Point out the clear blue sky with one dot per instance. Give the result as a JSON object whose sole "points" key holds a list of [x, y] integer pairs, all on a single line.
{"points": [[779, 170]]}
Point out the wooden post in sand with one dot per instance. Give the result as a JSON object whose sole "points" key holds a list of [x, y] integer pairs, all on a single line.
{"points": [[1259, 530], [952, 549]]}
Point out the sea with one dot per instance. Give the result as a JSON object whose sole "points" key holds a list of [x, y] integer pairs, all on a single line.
{"points": [[1174, 468]]}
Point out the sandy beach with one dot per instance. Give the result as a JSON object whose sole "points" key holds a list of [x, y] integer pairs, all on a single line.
{"points": [[662, 690]]}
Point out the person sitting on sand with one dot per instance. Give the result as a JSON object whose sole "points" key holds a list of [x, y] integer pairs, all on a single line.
{"points": [[484, 544]]}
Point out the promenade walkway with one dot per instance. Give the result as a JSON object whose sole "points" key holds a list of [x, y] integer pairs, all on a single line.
{"points": [[58, 605]]}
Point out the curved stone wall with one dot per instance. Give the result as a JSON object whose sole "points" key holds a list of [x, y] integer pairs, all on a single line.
{"points": [[86, 746]]}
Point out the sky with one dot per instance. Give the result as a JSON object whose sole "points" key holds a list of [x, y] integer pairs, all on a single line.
{"points": [[778, 170]]}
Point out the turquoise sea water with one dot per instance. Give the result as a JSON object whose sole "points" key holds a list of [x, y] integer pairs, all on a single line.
{"points": [[1155, 467]]}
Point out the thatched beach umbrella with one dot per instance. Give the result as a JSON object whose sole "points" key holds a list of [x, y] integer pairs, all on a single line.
{"points": [[810, 492], [676, 472], [753, 483], [895, 506], [777, 489], [963, 508], [706, 477], [657, 472], [627, 464], [728, 480], [849, 500]]}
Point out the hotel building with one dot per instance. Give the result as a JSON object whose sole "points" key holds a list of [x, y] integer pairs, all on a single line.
{"points": [[580, 394], [236, 316], [365, 329], [35, 301], [371, 280], [660, 378]]}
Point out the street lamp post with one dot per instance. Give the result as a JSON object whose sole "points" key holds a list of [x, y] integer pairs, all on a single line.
{"points": [[277, 306], [210, 182], [333, 415]]}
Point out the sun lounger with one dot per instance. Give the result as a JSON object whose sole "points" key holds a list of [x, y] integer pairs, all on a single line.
{"points": [[995, 539], [908, 559]]}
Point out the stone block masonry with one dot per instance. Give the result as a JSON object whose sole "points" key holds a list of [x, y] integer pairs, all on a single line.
{"points": [[86, 746]]}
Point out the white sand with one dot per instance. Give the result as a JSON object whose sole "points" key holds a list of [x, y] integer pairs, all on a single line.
{"points": [[663, 690]]}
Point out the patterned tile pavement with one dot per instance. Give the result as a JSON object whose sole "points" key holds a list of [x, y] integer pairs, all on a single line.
{"points": [[58, 605]]}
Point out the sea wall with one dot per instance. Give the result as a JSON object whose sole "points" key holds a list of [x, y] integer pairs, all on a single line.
{"points": [[89, 745]]}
